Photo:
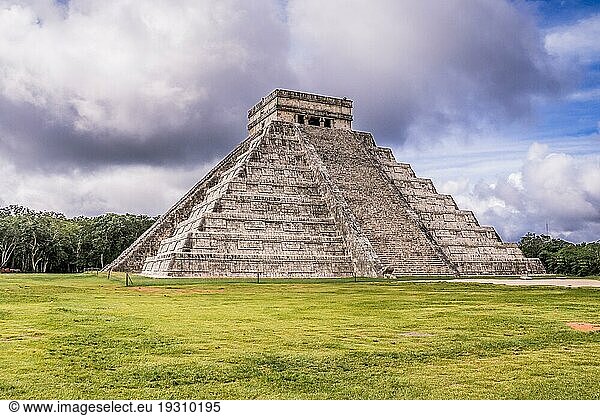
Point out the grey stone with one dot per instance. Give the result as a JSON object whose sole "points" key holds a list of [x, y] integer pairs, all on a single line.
{"points": [[316, 200]]}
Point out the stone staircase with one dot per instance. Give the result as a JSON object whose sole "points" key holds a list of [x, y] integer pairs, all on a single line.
{"points": [[265, 216], [385, 219]]}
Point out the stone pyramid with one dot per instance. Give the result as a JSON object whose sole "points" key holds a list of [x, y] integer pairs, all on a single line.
{"points": [[306, 196]]}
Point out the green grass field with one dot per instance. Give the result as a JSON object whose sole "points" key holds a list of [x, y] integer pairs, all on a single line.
{"points": [[83, 336]]}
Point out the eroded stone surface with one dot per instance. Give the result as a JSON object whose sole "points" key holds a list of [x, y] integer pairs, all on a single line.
{"points": [[297, 199]]}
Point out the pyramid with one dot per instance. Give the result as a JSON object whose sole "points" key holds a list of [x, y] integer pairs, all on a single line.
{"points": [[304, 195]]}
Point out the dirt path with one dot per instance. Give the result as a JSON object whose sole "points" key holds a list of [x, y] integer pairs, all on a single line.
{"points": [[523, 282]]}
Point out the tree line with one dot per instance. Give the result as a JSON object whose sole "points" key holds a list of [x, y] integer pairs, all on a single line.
{"points": [[562, 257], [42, 241]]}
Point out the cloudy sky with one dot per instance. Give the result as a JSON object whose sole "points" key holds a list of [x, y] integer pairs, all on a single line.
{"points": [[121, 106]]}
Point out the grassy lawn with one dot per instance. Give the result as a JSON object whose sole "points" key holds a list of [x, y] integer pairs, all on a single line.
{"points": [[83, 336]]}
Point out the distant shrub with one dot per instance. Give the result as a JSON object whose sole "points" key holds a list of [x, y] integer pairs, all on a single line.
{"points": [[562, 257]]}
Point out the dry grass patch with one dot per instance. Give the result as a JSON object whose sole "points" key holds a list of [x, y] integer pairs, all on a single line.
{"points": [[583, 326]]}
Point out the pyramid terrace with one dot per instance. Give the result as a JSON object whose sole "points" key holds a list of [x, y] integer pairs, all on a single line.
{"points": [[304, 195]]}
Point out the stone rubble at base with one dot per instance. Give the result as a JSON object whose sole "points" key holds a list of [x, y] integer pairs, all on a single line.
{"points": [[306, 196]]}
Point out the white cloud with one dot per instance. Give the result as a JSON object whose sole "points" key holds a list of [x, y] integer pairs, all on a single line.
{"points": [[137, 67], [537, 151], [558, 188], [135, 189], [516, 181], [454, 186], [578, 41], [422, 70], [585, 95], [104, 103]]}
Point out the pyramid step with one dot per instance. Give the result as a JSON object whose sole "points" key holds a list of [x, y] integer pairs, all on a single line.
{"points": [[254, 180], [274, 257], [287, 226], [270, 217], [272, 188], [273, 198], [259, 165], [234, 236], [246, 265]]}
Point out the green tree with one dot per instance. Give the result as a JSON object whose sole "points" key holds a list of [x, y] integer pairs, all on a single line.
{"points": [[532, 244], [48, 241], [9, 238], [562, 257], [104, 237]]}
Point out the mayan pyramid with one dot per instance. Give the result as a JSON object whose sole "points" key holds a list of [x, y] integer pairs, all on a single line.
{"points": [[304, 195]]}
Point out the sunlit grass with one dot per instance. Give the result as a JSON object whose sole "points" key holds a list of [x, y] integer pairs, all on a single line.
{"points": [[84, 336]]}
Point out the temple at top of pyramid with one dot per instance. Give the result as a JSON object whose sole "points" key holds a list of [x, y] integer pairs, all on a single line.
{"points": [[304, 195], [301, 108]]}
